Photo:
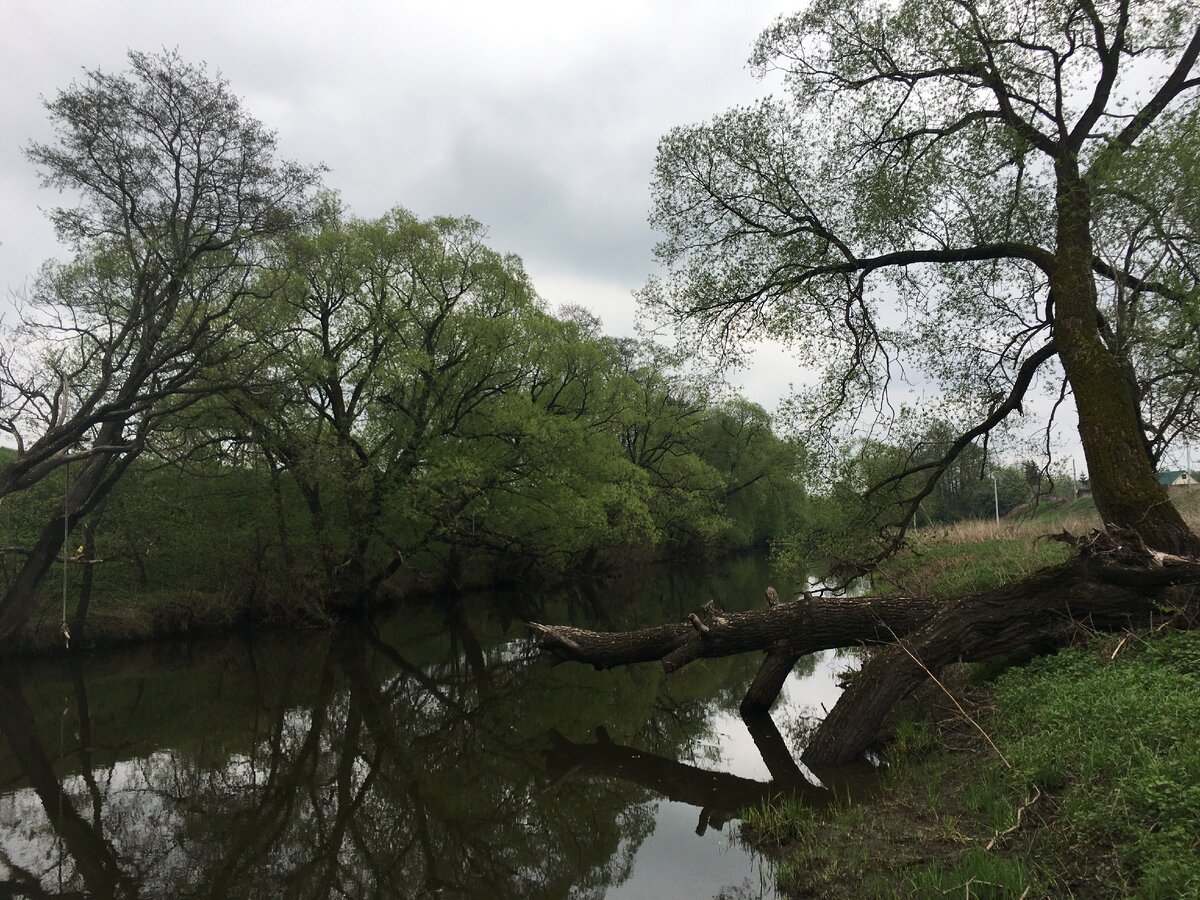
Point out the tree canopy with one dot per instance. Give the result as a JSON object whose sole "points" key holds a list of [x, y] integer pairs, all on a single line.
{"points": [[979, 195], [326, 410]]}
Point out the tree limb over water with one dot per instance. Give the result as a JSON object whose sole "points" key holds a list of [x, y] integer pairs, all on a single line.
{"points": [[1114, 582]]}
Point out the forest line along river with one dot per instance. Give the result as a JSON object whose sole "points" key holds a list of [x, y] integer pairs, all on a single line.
{"points": [[430, 754]]}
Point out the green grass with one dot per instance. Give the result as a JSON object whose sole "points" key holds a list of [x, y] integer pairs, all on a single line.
{"points": [[1117, 741], [1106, 738], [1104, 758], [976, 874], [781, 821], [972, 556], [943, 568]]}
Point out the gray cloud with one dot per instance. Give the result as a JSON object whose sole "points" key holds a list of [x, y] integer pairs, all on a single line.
{"points": [[540, 120]]}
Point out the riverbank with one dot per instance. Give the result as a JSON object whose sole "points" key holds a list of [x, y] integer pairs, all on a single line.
{"points": [[1076, 775], [126, 618], [1071, 775]]}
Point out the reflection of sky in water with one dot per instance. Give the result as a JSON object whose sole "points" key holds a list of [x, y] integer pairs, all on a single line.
{"points": [[128, 789], [803, 697], [674, 862], [21, 819]]}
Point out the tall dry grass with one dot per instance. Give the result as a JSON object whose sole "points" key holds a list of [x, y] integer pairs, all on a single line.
{"points": [[977, 531], [1031, 526]]}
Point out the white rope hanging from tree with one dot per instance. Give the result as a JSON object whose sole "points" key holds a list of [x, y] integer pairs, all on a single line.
{"points": [[66, 632]]}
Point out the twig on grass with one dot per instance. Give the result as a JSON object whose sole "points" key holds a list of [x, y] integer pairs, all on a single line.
{"points": [[1037, 795], [966, 715]]}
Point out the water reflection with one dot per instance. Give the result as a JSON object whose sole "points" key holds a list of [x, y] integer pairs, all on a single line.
{"points": [[432, 755]]}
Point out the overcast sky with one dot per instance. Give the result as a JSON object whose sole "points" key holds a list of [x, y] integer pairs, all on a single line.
{"points": [[538, 119]]}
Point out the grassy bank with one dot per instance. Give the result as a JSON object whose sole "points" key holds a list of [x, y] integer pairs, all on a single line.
{"points": [[129, 614], [1071, 775], [950, 560], [1087, 784]]}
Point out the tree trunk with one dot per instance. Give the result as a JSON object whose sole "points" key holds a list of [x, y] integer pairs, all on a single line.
{"points": [[23, 593], [803, 626], [281, 529], [774, 671], [1040, 608], [1123, 479], [310, 491], [96, 478], [88, 558], [136, 554]]}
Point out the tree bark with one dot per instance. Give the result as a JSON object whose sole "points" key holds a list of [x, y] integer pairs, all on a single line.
{"points": [[803, 626], [96, 478], [1123, 479], [1042, 608], [88, 559], [772, 674]]}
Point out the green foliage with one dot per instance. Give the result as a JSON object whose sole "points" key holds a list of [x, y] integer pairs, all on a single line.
{"points": [[860, 504], [173, 193], [781, 821], [912, 738], [976, 874], [897, 212], [418, 420], [944, 568], [330, 408], [429, 407]]}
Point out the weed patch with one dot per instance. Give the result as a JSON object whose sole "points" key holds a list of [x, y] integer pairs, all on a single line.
{"points": [[937, 567], [1117, 739]]}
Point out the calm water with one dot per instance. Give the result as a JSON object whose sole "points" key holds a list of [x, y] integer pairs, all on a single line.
{"points": [[433, 755]]}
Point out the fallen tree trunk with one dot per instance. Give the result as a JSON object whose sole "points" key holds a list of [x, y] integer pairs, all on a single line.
{"points": [[787, 629], [1113, 583]]}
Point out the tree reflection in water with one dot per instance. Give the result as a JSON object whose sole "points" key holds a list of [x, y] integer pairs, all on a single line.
{"points": [[433, 756]]}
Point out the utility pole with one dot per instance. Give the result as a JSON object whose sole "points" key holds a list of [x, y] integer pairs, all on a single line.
{"points": [[996, 497]]}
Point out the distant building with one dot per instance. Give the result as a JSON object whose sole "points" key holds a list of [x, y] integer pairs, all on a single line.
{"points": [[1177, 479]]}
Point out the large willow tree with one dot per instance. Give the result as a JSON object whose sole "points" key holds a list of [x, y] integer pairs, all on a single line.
{"points": [[980, 192]]}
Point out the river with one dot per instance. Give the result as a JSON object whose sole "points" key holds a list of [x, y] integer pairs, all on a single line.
{"points": [[432, 754]]}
